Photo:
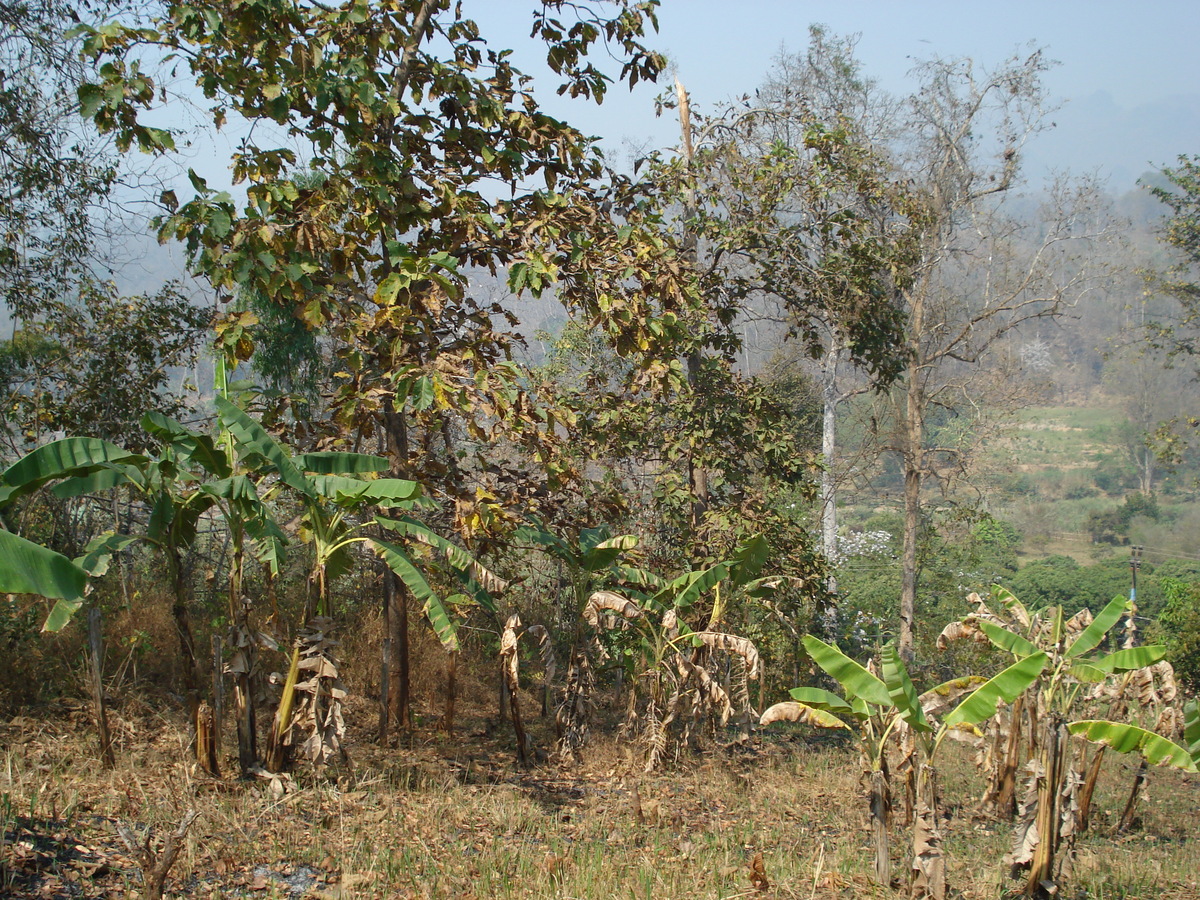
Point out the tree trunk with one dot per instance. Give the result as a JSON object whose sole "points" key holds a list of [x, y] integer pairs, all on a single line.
{"points": [[398, 661], [1089, 789], [830, 399], [451, 691], [1129, 814]]}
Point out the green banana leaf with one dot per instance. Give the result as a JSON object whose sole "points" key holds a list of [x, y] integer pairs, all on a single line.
{"points": [[748, 560], [1191, 728], [401, 563], [29, 568], [1154, 748], [99, 552], [1009, 601], [854, 679], [1090, 638], [349, 492], [815, 698], [1129, 659], [980, 705], [534, 533], [192, 447], [689, 587], [901, 690], [58, 459], [95, 480], [253, 437], [461, 562], [1007, 640], [600, 556]]}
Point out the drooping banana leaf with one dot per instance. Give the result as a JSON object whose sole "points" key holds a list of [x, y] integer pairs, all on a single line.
{"points": [[854, 679], [98, 554], [821, 699], [29, 568], [398, 561], [253, 437], [1007, 640], [1090, 638], [461, 562], [1154, 748], [901, 690], [981, 704]]}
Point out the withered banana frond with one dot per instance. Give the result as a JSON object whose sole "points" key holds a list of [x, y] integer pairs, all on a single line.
{"points": [[731, 643], [790, 711], [965, 630], [608, 601]]}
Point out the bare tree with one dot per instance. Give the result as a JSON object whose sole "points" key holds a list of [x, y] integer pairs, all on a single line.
{"points": [[989, 265]]}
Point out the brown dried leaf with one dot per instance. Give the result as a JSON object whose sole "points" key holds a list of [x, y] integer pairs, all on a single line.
{"points": [[608, 601], [758, 873]]}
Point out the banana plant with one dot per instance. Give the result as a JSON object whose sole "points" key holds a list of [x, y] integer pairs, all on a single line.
{"points": [[1048, 812], [335, 491], [682, 676], [881, 707], [590, 565]]}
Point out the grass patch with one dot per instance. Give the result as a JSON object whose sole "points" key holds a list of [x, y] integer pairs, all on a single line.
{"points": [[453, 818]]}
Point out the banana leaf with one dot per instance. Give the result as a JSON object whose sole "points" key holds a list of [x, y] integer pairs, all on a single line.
{"points": [[253, 437], [1191, 729], [980, 705], [99, 552], [816, 698], [1129, 659], [401, 563], [854, 679], [29, 568], [900, 689], [1090, 638], [1154, 748], [1007, 640], [336, 463]]}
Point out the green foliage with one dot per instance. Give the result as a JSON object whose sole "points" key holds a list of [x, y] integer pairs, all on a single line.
{"points": [[1180, 622], [55, 173], [92, 364]]}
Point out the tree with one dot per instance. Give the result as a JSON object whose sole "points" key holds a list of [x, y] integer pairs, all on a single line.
{"points": [[53, 172], [983, 274], [414, 131]]}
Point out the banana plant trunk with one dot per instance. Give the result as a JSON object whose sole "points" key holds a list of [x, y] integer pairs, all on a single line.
{"points": [[1129, 814], [929, 861], [1045, 864], [879, 827]]}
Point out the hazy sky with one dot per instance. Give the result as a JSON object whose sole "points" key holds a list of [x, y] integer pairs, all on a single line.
{"points": [[1129, 71]]}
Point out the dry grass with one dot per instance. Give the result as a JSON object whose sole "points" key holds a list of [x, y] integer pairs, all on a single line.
{"points": [[450, 816]]}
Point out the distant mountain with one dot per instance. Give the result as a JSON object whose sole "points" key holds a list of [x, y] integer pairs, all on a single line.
{"points": [[1095, 134]]}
